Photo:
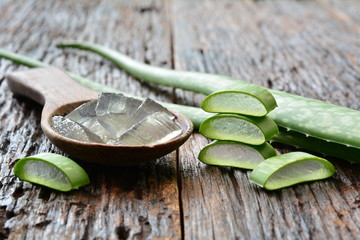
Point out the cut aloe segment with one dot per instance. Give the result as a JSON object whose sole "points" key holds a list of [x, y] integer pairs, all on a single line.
{"points": [[235, 154], [51, 170], [289, 169], [234, 127], [248, 100]]}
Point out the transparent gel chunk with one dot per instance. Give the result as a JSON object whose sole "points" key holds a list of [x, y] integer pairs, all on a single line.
{"points": [[73, 130], [117, 119], [93, 125], [114, 123], [147, 108], [116, 103], [83, 112], [154, 129], [85, 115]]}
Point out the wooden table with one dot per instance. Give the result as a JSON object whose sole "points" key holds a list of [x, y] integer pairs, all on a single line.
{"points": [[310, 48]]}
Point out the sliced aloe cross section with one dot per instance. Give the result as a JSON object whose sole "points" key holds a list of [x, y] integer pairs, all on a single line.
{"points": [[244, 99], [235, 127], [289, 169], [51, 170], [235, 154]]}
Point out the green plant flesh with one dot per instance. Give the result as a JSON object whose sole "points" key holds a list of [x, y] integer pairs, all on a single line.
{"points": [[235, 154], [298, 117], [234, 127], [247, 100], [51, 170], [289, 169]]}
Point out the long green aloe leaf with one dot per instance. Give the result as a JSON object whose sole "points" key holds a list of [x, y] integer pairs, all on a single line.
{"points": [[289, 169], [197, 115], [324, 121]]}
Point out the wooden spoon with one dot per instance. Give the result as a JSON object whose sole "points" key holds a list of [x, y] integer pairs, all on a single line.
{"points": [[59, 94]]}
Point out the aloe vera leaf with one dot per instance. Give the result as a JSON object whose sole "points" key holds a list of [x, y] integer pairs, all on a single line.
{"points": [[304, 115], [51, 170], [289, 169], [253, 101], [32, 63], [235, 154], [20, 59], [197, 115], [235, 127], [193, 81], [299, 140]]}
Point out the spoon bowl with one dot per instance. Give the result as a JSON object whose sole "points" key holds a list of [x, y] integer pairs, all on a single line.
{"points": [[60, 95]]}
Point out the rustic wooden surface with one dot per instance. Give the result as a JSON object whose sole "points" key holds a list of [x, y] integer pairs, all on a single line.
{"points": [[311, 48]]}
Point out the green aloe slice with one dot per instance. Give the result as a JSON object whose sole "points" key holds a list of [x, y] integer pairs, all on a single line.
{"points": [[248, 100], [235, 154], [51, 170], [234, 127], [289, 169]]}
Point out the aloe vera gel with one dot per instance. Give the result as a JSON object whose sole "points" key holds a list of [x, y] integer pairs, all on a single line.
{"points": [[119, 120]]}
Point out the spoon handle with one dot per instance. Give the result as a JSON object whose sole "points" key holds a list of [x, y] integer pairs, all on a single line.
{"points": [[48, 86]]}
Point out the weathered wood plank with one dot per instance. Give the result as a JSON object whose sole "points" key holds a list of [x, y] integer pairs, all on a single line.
{"points": [[308, 48], [120, 203], [295, 46]]}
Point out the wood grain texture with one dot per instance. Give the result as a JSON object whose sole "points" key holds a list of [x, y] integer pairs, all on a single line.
{"points": [[120, 203], [310, 48], [303, 47]]}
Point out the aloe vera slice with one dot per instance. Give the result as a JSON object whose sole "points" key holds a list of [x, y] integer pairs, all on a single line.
{"points": [[235, 154], [51, 170], [247, 100], [234, 127], [289, 169]]}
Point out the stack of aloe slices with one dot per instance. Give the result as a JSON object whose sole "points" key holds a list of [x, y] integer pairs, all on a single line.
{"points": [[242, 131]]}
